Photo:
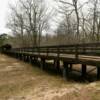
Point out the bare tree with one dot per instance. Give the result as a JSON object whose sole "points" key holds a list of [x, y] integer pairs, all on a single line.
{"points": [[16, 23], [30, 17]]}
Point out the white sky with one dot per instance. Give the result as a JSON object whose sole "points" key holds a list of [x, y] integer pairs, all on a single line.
{"points": [[3, 12], [4, 7]]}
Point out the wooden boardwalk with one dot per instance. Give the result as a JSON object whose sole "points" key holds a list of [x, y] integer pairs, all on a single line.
{"points": [[84, 54]]}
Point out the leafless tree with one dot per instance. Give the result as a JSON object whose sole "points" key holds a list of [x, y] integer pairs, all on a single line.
{"points": [[31, 18], [16, 23]]}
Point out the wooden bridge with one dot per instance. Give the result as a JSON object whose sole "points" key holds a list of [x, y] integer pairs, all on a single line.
{"points": [[66, 55]]}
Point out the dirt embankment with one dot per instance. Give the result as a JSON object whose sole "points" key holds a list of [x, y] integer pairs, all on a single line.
{"points": [[21, 81]]}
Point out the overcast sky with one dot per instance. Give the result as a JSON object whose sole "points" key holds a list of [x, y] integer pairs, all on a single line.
{"points": [[3, 12], [4, 7]]}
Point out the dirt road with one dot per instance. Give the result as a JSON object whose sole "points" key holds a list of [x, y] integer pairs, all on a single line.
{"points": [[22, 81]]}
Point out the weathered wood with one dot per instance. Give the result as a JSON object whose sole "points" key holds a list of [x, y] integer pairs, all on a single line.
{"points": [[20, 57], [64, 53], [35, 60], [27, 58], [65, 70], [84, 68], [42, 64], [71, 67], [30, 59], [98, 72], [76, 52], [24, 58], [57, 65]]}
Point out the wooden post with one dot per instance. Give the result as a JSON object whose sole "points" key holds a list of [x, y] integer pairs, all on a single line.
{"points": [[57, 65], [17, 56], [98, 73], [65, 70], [35, 60], [76, 51], [47, 51], [42, 64], [71, 66], [83, 70], [27, 58], [24, 58], [20, 57], [30, 59]]}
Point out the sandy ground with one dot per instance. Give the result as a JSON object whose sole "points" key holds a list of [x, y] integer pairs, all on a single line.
{"points": [[22, 81]]}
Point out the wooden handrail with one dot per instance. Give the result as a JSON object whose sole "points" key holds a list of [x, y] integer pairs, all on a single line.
{"points": [[76, 49]]}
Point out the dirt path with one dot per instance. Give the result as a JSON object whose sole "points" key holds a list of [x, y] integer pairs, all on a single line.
{"points": [[21, 81]]}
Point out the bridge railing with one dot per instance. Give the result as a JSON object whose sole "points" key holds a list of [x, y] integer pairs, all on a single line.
{"points": [[90, 49]]}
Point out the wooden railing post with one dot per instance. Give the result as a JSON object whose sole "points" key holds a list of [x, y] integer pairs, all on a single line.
{"points": [[84, 49], [58, 52], [47, 51], [39, 50], [76, 51]]}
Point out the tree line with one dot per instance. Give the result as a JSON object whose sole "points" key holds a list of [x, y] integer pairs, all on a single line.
{"points": [[80, 22]]}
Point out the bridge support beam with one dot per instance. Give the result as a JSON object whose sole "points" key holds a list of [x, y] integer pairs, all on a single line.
{"points": [[35, 60], [84, 70], [98, 73], [30, 59], [42, 64], [65, 70], [20, 57], [24, 58], [57, 65], [17, 56], [27, 58], [71, 67]]}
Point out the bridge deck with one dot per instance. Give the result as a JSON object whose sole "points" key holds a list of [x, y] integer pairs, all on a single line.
{"points": [[82, 59], [85, 54]]}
